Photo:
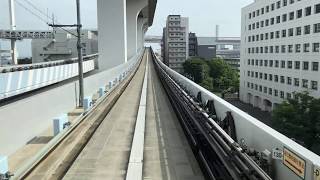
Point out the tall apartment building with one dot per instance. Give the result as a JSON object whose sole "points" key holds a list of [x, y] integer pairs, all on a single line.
{"points": [[176, 42], [280, 50]]}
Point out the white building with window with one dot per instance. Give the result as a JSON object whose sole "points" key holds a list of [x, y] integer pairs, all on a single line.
{"points": [[279, 51]]}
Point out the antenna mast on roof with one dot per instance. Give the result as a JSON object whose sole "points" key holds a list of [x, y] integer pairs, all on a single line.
{"points": [[217, 32]]}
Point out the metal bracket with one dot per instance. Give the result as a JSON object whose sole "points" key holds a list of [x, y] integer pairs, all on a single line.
{"points": [[228, 126]]}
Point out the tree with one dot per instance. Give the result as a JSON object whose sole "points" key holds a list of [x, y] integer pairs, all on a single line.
{"points": [[224, 77], [196, 69], [299, 118]]}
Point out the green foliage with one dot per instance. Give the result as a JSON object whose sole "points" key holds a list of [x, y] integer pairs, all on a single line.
{"points": [[214, 75], [299, 118], [197, 69], [224, 77]]}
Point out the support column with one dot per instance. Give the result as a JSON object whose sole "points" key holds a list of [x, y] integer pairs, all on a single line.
{"points": [[133, 10], [13, 28], [112, 37], [141, 24]]}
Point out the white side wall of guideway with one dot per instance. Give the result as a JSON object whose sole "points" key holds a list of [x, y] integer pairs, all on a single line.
{"points": [[255, 134], [121, 30]]}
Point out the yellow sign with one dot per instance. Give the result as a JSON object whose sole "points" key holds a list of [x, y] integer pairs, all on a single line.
{"points": [[294, 163], [316, 173]]}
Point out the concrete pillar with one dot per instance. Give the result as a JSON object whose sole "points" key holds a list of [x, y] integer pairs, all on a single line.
{"points": [[144, 31], [141, 26], [112, 38], [133, 10]]}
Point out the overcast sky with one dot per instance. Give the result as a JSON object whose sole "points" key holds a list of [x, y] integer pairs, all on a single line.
{"points": [[203, 16]]}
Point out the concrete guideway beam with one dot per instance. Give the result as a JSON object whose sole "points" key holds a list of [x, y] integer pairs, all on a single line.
{"points": [[134, 9], [118, 26], [112, 29], [140, 37]]}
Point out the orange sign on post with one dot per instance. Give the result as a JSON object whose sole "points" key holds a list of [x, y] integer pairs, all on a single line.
{"points": [[294, 163]]}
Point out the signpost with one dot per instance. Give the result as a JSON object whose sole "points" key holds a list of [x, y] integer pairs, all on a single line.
{"points": [[294, 163]]}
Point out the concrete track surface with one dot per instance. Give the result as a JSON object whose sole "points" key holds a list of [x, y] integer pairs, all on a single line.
{"points": [[167, 154]]}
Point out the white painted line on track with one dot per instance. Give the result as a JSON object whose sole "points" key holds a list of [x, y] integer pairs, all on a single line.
{"points": [[135, 166]]}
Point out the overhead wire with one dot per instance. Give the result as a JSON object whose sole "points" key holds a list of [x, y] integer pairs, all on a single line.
{"points": [[43, 14]]}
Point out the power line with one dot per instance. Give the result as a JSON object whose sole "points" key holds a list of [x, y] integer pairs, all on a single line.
{"points": [[30, 11], [36, 8], [40, 18]]}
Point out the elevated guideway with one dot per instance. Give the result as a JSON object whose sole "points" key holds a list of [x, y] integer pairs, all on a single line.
{"points": [[156, 124]]}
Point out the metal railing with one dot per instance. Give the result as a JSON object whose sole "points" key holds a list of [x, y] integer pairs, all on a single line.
{"points": [[220, 156], [25, 67]]}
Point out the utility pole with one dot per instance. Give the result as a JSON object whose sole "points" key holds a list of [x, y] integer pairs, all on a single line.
{"points": [[13, 28], [80, 60], [79, 48]]}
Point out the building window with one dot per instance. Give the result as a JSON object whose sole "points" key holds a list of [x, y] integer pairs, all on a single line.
{"points": [[317, 8], [297, 65], [265, 63], [265, 76], [305, 83], [277, 34], [299, 13], [285, 2], [314, 85], [298, 48], [284, 33], [307, 29], [270, 63], [298, 31], [270, 77], [306, 65], [282, 79], [278, 4], [277, 49], [316, 28], [277, 63], [306, 47], [289, 95], [282, 94], [315, 66], [283, 48], [291, 15], [296, 82], [290, 32], [315, 47], [289, 80], [284, 17], [308, 11], [265, 90], [272, 21], [267, 9], [270, 91], [276, 78], [290, 48], [289, 64], [283, 64], [276, 93], [260, 75], [278, 19], [272, 7]]}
